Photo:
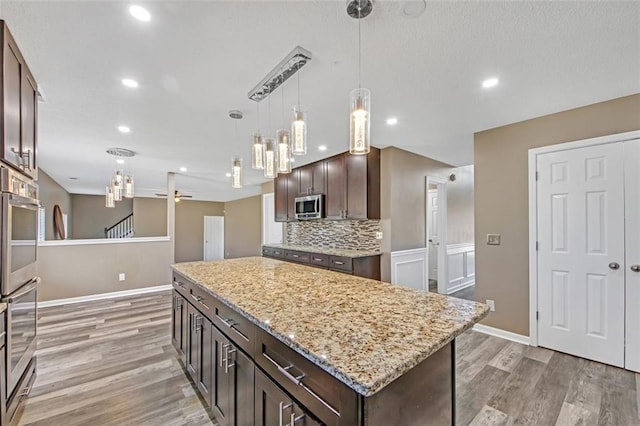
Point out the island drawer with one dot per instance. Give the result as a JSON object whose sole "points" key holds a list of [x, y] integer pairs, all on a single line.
{"points": [[181, 285], [236, 327], [201, 300], [272, 252], [325, 396], [296, 256], [340, 263], [321, 260]]}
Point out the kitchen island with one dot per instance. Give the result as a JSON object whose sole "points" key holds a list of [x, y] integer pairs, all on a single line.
{"points": [[270, 342]]}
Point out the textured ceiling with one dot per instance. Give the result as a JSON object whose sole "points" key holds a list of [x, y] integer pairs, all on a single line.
{"points": [[197, 60]]}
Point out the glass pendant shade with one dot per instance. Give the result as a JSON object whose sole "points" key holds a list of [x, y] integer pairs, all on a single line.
{"points": [[270, 158], [299, 131], [284, 151], [128, 186], [257, 152], [236, 173], [117, 190], [360, 122], [117, 177], [109, 200]]}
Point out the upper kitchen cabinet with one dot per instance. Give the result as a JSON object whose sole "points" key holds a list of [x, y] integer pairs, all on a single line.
{"points": [[19, 101], [312, 179], [281, 198]]}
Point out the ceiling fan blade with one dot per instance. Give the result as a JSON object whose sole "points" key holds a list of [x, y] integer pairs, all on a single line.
{"points": [[185, 196], [161, 195]]}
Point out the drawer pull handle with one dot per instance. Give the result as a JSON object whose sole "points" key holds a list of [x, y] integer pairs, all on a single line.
{"points": [[200, 299], [281, 413], [337, 262], [285, 370], [179, 284], [25, 391], [295, 255], [295, 419], [317, 259], [228, 322], [228, 352]]}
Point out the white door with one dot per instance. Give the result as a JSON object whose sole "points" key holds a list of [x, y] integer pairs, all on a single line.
{"points": [[632, 244], [433, 239], [581, 295], [213, 237], [271, 230]]}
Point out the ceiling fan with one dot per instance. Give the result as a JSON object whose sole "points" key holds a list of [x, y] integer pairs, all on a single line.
{"points": [[176, 195]]}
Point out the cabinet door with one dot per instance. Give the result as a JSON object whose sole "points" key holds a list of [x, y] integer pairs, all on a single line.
{"points": [[274, 407], [293, 185], [221, 394], [318, 177], [191, 350], [205, 361], [356, 186], [29, 126], [281, 198], [12, 110], [178, 337], [243, 388], [335, 202], [305, 180]]}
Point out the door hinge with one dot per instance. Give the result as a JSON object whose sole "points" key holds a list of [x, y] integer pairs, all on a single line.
{"points": [[537, 175], [537, 246], [537, 315]]}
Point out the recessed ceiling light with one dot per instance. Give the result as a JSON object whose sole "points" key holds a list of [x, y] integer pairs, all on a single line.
{"points": [[227, 174], [322, 148], [124, 129], [391, 121], [140, 13], [183, 169], [130, 83], [490, 82], [120, 161]]}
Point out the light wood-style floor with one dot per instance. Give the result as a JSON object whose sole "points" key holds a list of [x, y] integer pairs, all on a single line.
{"points": [[112, 363]]}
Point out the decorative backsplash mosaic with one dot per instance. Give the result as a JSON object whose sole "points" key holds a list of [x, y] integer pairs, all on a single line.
{"points": [[340, 234]]}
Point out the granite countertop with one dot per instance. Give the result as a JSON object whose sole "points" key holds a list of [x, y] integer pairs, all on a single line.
{"points": [[366, 333], [326, 250], [3, 307]]}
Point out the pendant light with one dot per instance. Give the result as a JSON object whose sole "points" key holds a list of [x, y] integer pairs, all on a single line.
{"points": [[270, 159], [236, 162], [299, 127], [257, 147], [284, 147], [109, 200], [236, 172], [360, 104], [128, 186]]}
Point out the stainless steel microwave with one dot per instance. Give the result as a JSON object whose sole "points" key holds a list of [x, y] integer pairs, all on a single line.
{"points": [[310, 207]]}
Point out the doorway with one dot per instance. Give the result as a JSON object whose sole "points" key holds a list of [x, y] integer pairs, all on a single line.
{"points": [[271, 230], [584, 255], [436, 233], [213, 238]]}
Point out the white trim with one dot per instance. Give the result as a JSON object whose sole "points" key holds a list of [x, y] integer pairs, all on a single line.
{"points": [[460, 248], [461, 286], [89, 242], [404, 257], [443, 265], [103, 296], [503, 334], [533, 208]]}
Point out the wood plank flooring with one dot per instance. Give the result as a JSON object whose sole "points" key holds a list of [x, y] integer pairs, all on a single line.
{"points": [[111, 363]]}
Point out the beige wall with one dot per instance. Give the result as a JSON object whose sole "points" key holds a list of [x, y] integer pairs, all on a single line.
{"points": [[403, 202], [190, 227], [90, 216], [51, 193], [268, 187], [82, 270], [150, 217], [501, 179], [243, 227]]}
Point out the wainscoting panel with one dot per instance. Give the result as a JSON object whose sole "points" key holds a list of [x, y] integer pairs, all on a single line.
{"points": [[409, 268], [462, 267]]}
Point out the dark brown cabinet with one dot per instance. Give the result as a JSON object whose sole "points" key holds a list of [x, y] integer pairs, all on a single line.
{"points": [[312, 179], [292, 192], [198, 357], [19, 102], [179, 324], [336, 196], [281, 198], [274, 407]]}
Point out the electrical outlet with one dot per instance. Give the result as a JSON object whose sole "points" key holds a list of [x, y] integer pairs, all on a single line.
{"points": [[121, 276], [491, 304], [378, 235], [493, 239]]}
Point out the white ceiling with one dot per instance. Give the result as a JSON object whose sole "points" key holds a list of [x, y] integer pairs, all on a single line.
{"points": [[197, 60]]}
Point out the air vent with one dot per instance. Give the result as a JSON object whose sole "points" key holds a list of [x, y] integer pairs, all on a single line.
{"points": [[120, 152]]}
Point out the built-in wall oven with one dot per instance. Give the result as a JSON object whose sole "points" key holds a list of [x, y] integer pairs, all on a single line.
{"points": [[19, 279]]}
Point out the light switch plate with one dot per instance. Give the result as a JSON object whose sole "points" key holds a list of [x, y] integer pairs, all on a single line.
{"points": [[121, 276], [491, 304], [378, 235], [493, 239]]}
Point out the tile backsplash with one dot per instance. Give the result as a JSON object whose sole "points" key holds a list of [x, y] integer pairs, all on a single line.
{"points": [[340, 234]]}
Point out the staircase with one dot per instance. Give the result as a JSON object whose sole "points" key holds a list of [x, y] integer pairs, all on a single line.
{"points": [[122, 229]]}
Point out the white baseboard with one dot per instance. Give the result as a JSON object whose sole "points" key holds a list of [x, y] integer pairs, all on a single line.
{"points": [[461, 286], [102, 296], [514, 337]]}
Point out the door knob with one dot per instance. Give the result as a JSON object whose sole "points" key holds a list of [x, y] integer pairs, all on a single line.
{"points": [[614, 265], [635, 268]]}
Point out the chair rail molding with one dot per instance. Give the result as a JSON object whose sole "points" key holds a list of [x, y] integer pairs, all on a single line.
{"points": [[409, 268], [462, 266]]}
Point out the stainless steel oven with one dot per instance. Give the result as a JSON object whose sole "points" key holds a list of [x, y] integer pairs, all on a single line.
{"points": [[22, 312], [18, 231]]}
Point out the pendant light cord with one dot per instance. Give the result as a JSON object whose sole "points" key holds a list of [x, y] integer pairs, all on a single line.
{"points": [[298, 72], [282, 85], [258, 114], [359, 47]]}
